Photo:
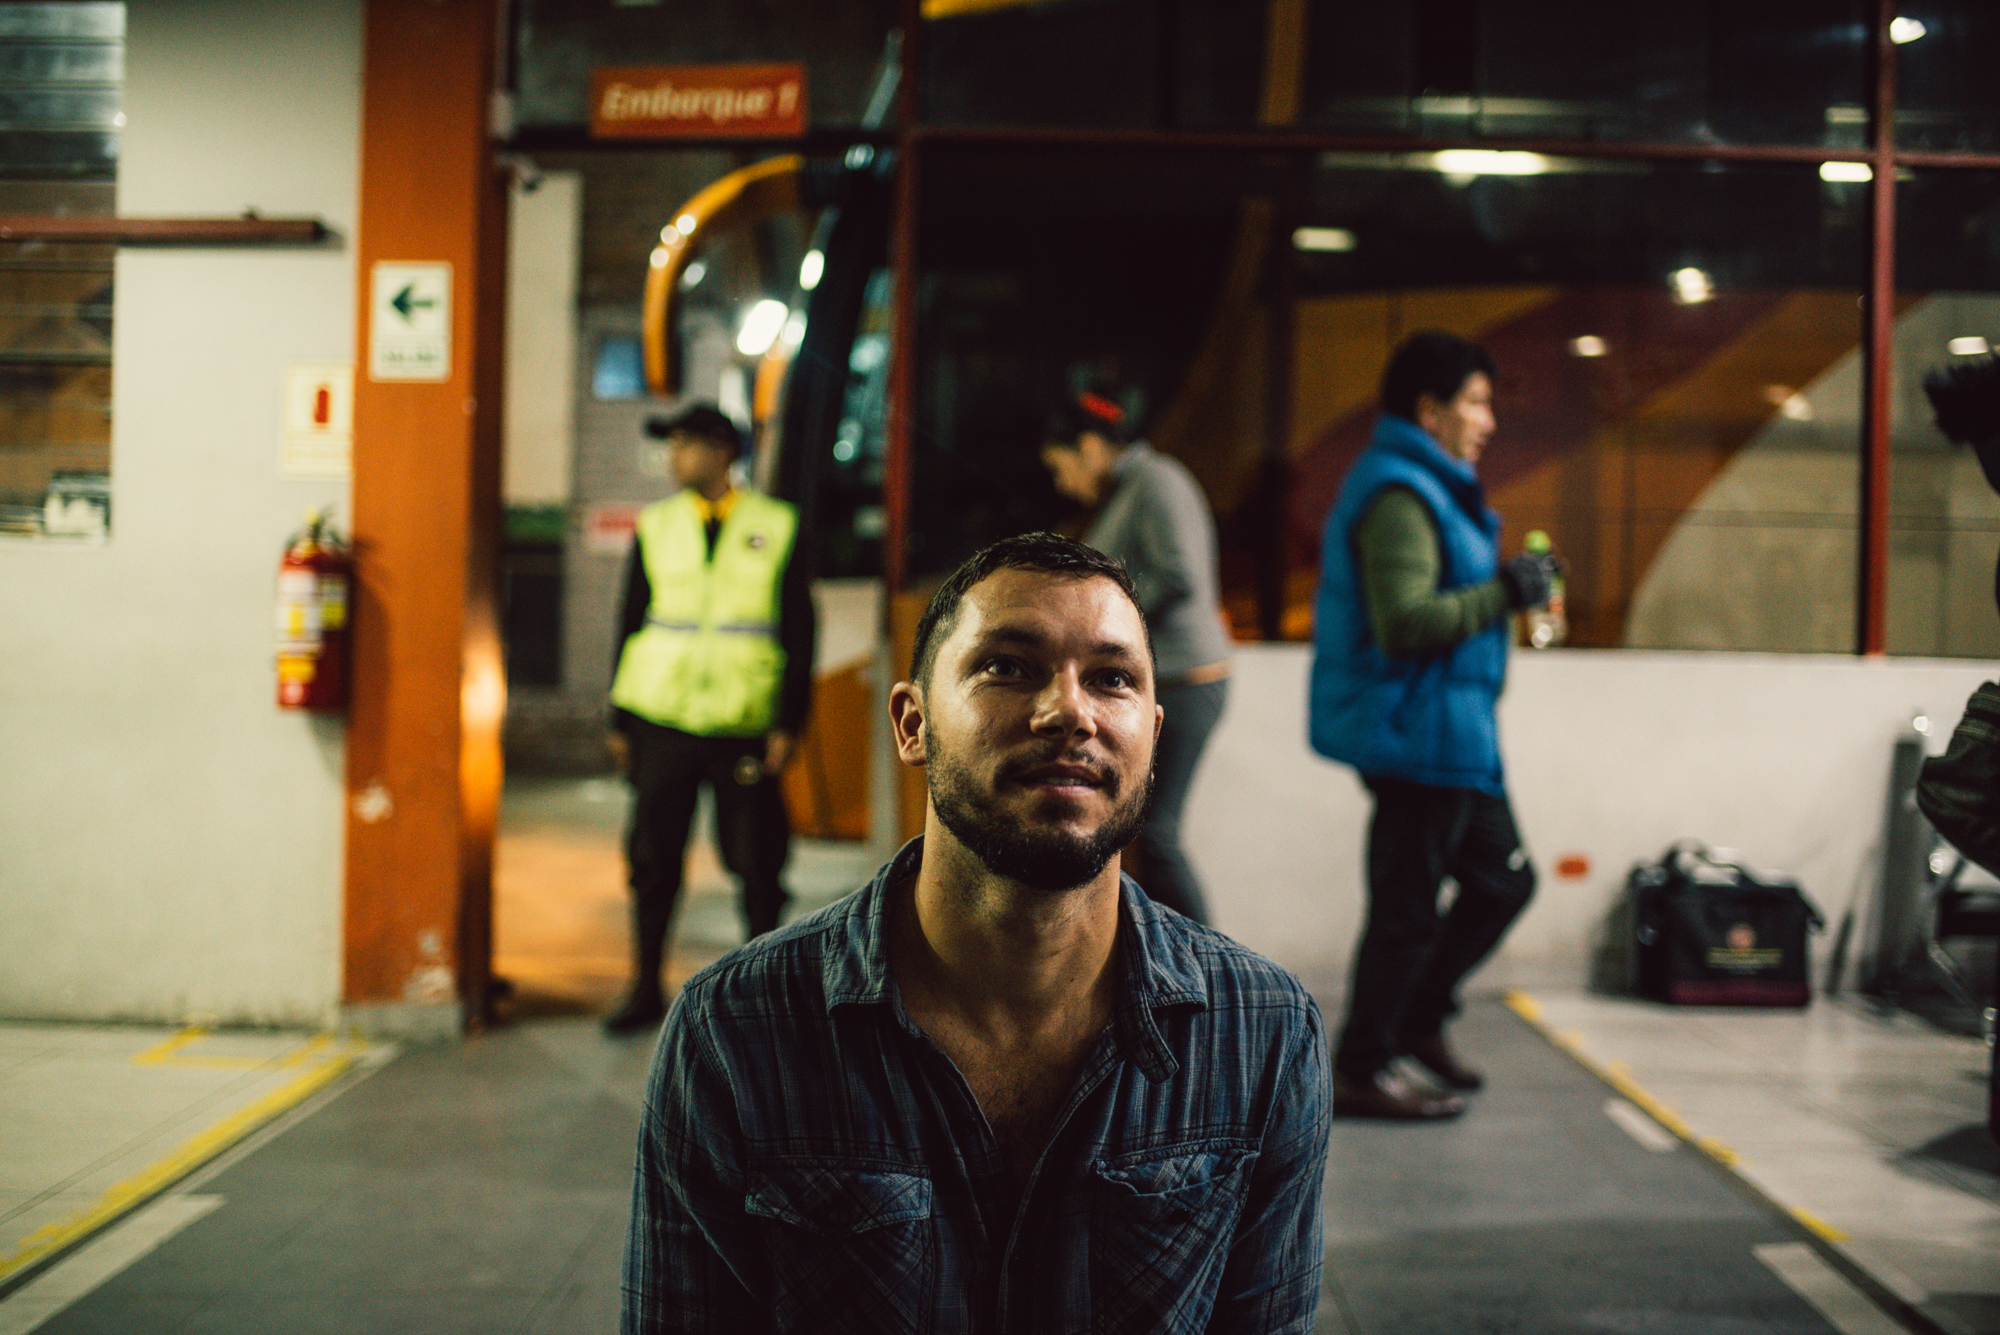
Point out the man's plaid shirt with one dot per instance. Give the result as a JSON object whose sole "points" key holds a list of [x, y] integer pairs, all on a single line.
{"points": [[810, 1161]]}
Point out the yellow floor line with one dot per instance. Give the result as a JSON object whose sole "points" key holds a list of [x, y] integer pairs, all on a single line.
{"points": [[307, 1052], [1619, 1077], [1819, 1228], [168, 1053], [161, 1053], [197, 1150]]}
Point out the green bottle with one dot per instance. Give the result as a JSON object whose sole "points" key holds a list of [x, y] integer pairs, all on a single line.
{"points": [[1547, 624]]}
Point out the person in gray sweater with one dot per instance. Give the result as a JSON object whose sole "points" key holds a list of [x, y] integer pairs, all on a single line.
{"points": [[1151, 515]]}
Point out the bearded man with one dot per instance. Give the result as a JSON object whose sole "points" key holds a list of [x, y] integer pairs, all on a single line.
{"points": [[997, 1089]]}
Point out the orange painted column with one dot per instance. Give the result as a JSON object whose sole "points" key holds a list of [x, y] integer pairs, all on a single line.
{"points": [[423, 744]]}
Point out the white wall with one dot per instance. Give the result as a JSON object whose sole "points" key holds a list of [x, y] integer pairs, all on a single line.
{"points": [[1611, 756], [172, 840], [544, 227]]}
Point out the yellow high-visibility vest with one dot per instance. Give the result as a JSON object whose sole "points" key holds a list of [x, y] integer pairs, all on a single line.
{"points": [[708, 660]]}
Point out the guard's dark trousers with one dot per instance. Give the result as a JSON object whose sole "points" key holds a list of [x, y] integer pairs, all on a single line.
{"points": [[668, 768]]}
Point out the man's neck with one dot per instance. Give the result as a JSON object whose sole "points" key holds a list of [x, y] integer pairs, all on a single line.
{"points": [[1008, 960]]}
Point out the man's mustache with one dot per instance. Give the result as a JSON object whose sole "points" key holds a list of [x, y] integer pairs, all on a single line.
{"points": [[1100, 774]]}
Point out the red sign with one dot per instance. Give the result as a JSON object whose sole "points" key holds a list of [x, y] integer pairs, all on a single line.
{"points": [[609, 526], [698, 102]]}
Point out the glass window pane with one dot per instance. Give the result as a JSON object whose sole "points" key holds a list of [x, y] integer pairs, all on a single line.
{"points": [[1944, 520], [1085, 64], [63, 20], [618, 373], [55, 365], [1679, 358], [1098, 64], [1945, 90], [1678, 346], [1042, 268], [62, 65], [1579, 69]]}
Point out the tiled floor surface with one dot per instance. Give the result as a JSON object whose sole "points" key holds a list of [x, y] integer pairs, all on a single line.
{"points": [[97, 1118], [1867, 1122]]}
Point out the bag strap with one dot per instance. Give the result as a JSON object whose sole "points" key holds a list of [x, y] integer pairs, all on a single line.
{"points": [[1698, 852], [1682, 851]]}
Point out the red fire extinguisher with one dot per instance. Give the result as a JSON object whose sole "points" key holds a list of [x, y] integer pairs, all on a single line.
{"points": [[315, 582]]}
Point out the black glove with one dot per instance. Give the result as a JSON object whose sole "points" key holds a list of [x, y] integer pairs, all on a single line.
{"points": [[1529, 578], [1965, 397], [1965, 400]]}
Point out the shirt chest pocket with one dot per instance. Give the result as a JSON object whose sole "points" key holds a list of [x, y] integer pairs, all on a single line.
{"points": [[847, 1247], [1161, 1227]]}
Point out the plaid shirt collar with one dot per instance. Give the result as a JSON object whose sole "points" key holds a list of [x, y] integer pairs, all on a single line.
{"points": [[1158, 968]]}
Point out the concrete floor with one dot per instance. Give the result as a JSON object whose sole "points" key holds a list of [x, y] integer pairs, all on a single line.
{"points": [[1632, 1168]]}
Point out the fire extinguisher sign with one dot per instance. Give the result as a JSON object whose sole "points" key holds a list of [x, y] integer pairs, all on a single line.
{"points": [[409, 322], [319, 419]]}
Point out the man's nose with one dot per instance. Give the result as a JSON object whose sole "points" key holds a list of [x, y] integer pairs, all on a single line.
{"points": [[1062, 706]]}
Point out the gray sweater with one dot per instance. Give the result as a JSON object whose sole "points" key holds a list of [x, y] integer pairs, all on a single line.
{"points": [[1157, 522]]}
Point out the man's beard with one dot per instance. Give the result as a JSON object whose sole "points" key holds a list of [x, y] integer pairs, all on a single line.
{"points": [[1042, 857]]}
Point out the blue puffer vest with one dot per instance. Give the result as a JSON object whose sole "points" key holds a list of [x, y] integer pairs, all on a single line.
{"points": [[1427, 719]]}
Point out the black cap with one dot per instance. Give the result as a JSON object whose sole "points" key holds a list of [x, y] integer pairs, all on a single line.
{"points": [[702, 420]]}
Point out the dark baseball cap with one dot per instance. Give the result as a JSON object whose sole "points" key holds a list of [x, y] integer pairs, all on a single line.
{"points": [[704, 421]]}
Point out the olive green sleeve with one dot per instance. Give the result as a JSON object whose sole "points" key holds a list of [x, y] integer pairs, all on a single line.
{"points": [[1410, 615]]}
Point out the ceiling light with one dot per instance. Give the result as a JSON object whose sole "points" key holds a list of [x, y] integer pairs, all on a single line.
{"points": [[810, 270], [1905, 30], [1972, 345], [1846, 171], [1691, 286], [1323, 238], [1797, 408], [1587, 345], [693, 274], [1488, 162], [760, 327]]}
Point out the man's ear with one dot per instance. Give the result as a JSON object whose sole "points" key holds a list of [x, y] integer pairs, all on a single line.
{"points": [[906, 722], [1428, 408]]}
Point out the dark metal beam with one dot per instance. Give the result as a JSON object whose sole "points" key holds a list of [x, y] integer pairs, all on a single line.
{"points": [[1311, 142], [898, 478], [1878, 347]]}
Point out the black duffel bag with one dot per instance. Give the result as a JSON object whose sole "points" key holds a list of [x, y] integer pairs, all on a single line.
{"points": [[1710, 932]]}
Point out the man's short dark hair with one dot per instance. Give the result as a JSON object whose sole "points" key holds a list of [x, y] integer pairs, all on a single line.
{"points": [[1050, 553], [1433, 363], [703, 421]]}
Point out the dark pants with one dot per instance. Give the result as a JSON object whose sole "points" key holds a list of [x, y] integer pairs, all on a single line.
{"points": [[1165, 873], [668, 768], [1412, 957]]}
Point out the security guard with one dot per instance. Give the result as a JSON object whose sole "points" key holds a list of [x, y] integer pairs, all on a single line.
{"points": [[713, 683]]}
